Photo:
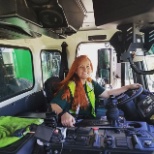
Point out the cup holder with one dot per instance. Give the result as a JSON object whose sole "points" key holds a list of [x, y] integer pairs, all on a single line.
{"points": [[135, 124]]}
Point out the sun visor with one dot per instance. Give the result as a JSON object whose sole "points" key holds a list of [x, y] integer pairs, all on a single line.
{"points": [[122, 11]]}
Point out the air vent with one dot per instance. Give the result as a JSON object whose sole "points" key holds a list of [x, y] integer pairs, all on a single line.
{"points": [[40, 2], [122, 39], [97, 37], [127, 34], [148, 36]]}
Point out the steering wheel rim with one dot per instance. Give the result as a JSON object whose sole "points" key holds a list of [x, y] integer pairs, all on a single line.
{"points": [[136, 94]]}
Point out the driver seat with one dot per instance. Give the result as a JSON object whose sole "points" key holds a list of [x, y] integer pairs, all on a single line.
{"points": [[50, 86]]}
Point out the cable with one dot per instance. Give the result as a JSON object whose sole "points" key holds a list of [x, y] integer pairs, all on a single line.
{"points": [[62, 145], [134, 67]]}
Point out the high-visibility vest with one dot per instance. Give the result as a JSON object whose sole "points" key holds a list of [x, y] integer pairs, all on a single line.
{"points": [[90, 93]]}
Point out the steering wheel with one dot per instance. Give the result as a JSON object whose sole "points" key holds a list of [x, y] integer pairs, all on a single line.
{"points": [[136, 93]]}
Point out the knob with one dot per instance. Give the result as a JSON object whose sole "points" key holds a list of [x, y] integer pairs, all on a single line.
{"points": [[109, 141], [147, 143]]}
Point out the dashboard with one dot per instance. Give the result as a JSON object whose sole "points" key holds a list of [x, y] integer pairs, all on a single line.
{"points": [[146, 106], [135, 137]]}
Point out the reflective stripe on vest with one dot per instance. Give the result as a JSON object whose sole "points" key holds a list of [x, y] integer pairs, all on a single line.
{"points": [[90, 93]]}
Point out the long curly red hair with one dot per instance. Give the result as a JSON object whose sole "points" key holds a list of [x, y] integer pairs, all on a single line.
{"points": [[79, 95]]}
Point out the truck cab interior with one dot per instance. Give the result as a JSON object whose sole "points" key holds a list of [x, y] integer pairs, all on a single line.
{"points": [[39, 40]]}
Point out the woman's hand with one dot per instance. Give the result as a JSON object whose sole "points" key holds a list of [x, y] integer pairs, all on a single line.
{"points": [[67, 120], [118, 91], [134, 86]]}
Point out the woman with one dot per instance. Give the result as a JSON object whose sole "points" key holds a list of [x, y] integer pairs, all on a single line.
{"points": [[77, 93]]}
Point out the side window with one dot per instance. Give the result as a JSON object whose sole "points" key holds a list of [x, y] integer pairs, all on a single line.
{"points": [[104, 65], [149, 65], [50, 63], [16, 72]]}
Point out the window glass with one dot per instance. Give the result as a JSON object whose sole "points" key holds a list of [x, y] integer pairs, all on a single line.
{"points": [[149, 65], [50, 63], [128, 74], [16, 72]]}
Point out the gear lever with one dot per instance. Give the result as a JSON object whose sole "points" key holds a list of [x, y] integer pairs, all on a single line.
{"points": [[112, 112]]}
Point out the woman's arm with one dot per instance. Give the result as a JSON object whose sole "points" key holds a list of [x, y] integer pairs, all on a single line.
{"points": [[66, 119], [118, 91], [57, 104], [56, 108]]}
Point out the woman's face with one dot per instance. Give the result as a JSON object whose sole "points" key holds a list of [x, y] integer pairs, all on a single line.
{"points": [[84, 70]]}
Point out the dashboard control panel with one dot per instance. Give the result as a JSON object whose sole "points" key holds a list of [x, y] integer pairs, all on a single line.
{"points": [[146, 106], [135, 137]]}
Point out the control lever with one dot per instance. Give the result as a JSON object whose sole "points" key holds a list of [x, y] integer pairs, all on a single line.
{"points": [[136, 142], [63, 133], [51, 119], [97, 140], [113, 112], [108, 141], [77, 112]]}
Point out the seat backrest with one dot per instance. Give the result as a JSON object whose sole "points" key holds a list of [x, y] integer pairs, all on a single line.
{"points": [[50, 86]]}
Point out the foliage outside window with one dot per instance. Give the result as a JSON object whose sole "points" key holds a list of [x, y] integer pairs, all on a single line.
{"points": [[16, 72]]}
